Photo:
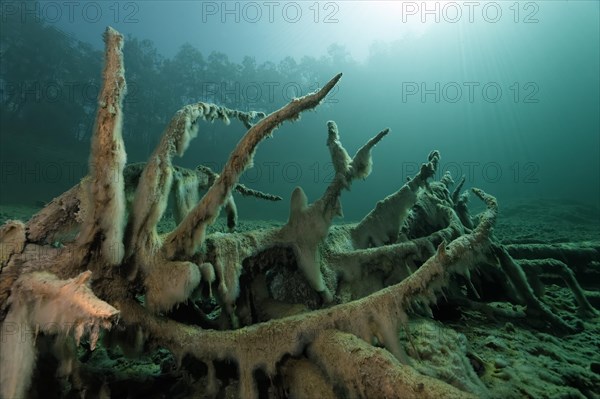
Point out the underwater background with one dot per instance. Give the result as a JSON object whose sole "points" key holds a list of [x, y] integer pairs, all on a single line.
{"points": [[507, 91]]}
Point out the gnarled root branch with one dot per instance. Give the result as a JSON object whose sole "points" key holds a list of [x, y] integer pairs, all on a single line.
{"points": [[40, 302], [362, 371]]}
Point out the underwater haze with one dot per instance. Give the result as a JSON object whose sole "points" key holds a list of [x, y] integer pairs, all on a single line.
{"points": [[507, 91], [384, 199]]}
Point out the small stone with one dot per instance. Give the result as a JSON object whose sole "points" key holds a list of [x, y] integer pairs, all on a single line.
{"points": [[500, 363], [509, 327], [503, 375]]}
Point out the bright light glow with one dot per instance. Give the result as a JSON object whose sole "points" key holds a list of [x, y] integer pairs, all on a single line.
{"points": [[362, 23]]}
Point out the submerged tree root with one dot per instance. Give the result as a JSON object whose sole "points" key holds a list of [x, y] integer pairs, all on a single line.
{"points": [[294, 301]]}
